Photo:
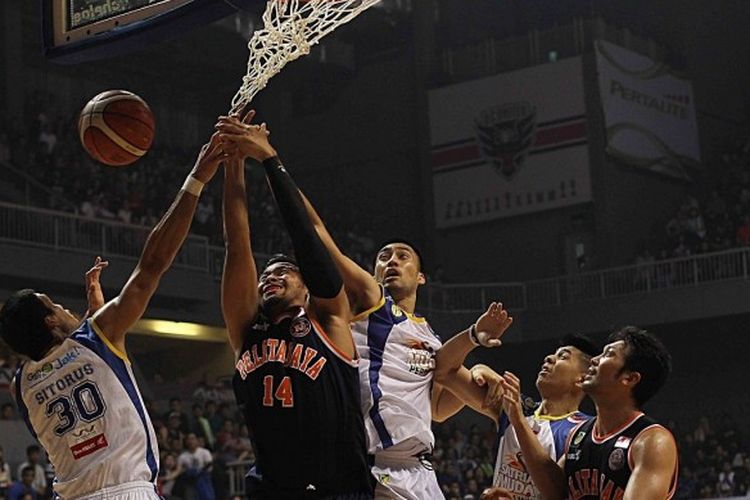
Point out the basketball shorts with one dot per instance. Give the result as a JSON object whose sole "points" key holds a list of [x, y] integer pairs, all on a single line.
{"points": [[405, 473], [137, 490]]}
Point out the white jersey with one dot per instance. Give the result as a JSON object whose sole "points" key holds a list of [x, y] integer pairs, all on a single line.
{"points": [[83, 405], [510, 468], [397, 358]]}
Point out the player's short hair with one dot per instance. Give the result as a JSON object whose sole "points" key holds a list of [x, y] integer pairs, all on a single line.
{"points": [[27, 469], [33, 449], [581, 342], [404, 241], [280, 257], [645, 354], [22, 324]]}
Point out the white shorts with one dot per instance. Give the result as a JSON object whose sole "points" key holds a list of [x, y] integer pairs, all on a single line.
{"points": [[402, 475], [137, 490]]}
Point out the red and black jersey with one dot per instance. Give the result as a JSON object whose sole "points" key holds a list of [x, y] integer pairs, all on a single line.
{"points": [[300, 397], [599, 467]]}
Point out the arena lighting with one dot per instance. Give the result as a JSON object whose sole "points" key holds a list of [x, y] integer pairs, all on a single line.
{"points": [[184, 329]]}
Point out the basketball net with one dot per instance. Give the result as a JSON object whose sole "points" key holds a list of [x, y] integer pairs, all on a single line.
{"points": [[290, 29]]}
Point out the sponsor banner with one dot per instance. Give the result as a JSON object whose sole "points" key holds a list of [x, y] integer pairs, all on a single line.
{"points": [[510, 144], [89, 446], [649, 112]]}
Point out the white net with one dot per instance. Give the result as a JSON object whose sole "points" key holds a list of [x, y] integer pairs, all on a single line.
{"points": [[290, 29]]}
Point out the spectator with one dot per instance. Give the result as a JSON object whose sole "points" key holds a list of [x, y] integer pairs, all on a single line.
{"points": [[7, 412], [196, 463], [201, 426], [5, 478], [168, 473], [175, 410], [20, 489], [725, 486], [33, 459]]}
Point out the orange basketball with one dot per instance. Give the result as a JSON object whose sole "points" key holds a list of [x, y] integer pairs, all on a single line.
{"points": [[116, 127]]}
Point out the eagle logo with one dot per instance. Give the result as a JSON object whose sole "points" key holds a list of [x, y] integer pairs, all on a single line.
{"points": [[505, 134]]}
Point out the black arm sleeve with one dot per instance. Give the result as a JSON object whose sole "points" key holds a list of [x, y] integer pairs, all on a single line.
{"points": [[315, 263]]}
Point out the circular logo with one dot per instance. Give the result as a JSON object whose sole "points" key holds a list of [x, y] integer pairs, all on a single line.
{"points": [[397, 312], [300, 327], [617, 459]]}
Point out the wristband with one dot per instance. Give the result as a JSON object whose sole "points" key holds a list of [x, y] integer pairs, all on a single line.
{"points": [[473, 335], [193, 186]]}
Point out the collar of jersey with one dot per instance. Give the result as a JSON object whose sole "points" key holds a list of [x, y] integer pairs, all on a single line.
{"points": [[286, 315], [552, 418]]}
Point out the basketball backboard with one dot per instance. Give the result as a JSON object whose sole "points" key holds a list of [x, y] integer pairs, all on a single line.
{"points": [[84, 30]]}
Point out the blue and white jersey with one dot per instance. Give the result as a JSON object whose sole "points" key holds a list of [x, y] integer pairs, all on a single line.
{"points": [[83, 405], [552, 432], [397, 358]]}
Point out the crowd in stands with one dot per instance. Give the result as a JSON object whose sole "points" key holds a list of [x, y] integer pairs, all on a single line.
{"points": [[714, 459], [47, 146], [717, 215]]}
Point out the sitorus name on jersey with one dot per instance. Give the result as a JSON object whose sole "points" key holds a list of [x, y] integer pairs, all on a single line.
{"points": [[292, 354], [59, 385]]}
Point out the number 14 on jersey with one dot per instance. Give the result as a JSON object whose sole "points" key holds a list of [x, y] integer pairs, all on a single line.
{"points": [[283, 392]]}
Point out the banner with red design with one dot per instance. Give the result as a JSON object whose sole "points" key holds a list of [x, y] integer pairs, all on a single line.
{"points": [[649, 112], [510, 144]]}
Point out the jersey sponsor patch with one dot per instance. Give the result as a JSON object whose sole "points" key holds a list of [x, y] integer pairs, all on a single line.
{"points": [[622, 442], [579, 437], [420, 358], [89, 446], [49, 367]]}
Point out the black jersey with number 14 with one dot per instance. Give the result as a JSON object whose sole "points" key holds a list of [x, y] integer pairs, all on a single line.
{"points": [[300, 397]]}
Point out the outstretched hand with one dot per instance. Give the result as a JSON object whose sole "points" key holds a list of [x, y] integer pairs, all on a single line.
{"points": [[211, 155], [491, 325], [250, 140], [512, 397], [94, 294]]}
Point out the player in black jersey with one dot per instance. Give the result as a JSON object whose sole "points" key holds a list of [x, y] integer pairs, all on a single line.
{"points": [[296, 375], [622, 453]]}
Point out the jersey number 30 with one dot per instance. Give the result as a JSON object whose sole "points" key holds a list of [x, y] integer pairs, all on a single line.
{"points": [[283, 392], [85, 403]]}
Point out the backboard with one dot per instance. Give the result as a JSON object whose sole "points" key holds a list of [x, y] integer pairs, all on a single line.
{"points": [[83, 30]]}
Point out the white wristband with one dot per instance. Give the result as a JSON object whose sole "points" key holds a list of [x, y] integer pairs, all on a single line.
{"points": [[193, 186]]}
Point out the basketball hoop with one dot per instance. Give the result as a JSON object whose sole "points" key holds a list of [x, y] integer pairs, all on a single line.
{"points": [[290, 29]]}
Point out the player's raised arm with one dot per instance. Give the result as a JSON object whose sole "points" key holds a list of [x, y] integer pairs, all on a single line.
{"points": [[450, 372], [118, 315], [94, 293], [239, 281], [327, 297], [654, 455], [548, 475], [361, 288]]}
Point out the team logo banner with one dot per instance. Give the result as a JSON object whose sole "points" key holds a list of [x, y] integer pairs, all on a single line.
{"points": [[510, 144], [649, 112]]}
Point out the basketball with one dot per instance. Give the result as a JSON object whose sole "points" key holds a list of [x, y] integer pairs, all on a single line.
{"points": [[116, 127]]}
